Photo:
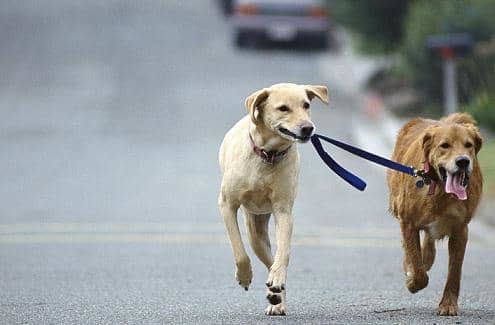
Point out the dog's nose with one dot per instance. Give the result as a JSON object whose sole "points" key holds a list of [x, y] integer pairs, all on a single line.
{"points": [[307, 130], [462, 162]]}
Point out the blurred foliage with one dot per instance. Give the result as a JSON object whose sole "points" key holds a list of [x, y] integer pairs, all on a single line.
{"points": [[377, 24], [480, 74], [402, 27], [482, 107], [427, 18], [487, 162]]}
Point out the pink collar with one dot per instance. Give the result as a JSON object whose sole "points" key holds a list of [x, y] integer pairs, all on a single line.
{"points": [[269, 157], [433, 184]]}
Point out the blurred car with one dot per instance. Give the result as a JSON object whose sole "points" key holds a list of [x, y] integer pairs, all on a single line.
{"points": [[285, 21], [226, 6]]}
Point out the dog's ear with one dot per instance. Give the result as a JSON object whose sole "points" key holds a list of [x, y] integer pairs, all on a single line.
{"points": [[254, 101], [317, 91], [478, 140], [426, 144]]}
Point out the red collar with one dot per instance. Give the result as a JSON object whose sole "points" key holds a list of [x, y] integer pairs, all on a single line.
{"points": [[433, 184], [269, 157]]}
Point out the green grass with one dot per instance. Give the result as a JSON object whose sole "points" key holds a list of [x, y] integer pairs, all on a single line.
{"points": [[487, 161]]}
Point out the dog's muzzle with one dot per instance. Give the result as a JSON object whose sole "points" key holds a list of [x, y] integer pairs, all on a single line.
{"points": [[306, 131], [456, 180]]}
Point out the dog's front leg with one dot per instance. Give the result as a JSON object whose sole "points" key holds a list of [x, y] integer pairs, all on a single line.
{"points": [[243, 273], [457, 248], [278, 271], [416, 277]]}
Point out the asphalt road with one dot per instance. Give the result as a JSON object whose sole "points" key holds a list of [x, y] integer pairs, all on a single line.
{"points": [[111, 114]]}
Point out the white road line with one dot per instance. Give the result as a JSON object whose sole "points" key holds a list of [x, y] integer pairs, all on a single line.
{"points": [[96, 238], [186, 233], [180, 228], [160, 233]]}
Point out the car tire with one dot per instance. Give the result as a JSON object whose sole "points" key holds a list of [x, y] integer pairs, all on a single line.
{"points": [[226, 6], [243, 39], [321, 42]]}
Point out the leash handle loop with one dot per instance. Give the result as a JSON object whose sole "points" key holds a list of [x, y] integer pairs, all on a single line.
{"points": [[349, 177]]}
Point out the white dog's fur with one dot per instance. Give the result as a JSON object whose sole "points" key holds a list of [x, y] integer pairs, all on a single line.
{"points": [[278, 117]]}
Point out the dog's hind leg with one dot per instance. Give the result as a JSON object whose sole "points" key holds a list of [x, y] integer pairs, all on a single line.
{"points": [[428, 251], [243, 273], [257, 229]]}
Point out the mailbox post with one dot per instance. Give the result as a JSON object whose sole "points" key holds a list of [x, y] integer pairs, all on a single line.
{"points": [[449, 47]]}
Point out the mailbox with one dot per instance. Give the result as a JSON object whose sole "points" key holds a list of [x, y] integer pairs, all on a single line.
{"points": [[450, 46]]}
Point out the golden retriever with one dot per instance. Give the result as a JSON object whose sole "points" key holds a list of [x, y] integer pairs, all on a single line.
{"points": [[260, 165], [448, 149]]}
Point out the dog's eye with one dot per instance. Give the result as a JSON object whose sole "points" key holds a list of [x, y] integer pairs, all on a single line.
{"points": [[283, 108], [445, 145], [306, 105], [468, 145]]}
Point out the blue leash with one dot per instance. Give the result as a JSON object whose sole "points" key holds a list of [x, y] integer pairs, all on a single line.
{"points": [[353, 179]]}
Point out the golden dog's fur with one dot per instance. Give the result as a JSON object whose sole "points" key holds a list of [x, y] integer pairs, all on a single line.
{"points": [[446, 146], [278, 116]]}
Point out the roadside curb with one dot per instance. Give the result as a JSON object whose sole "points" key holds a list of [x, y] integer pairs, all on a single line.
{"points": [[376, 129], [483, 232]]}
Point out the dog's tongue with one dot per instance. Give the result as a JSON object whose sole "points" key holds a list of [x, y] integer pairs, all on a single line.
{"points": [[454, 186]]}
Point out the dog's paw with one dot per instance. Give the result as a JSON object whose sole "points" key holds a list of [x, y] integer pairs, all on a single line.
{"points": [[416, 282], [448, 307], [244, 274], [274, 298], [276, 310], [276, 281], [448, 310]]}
